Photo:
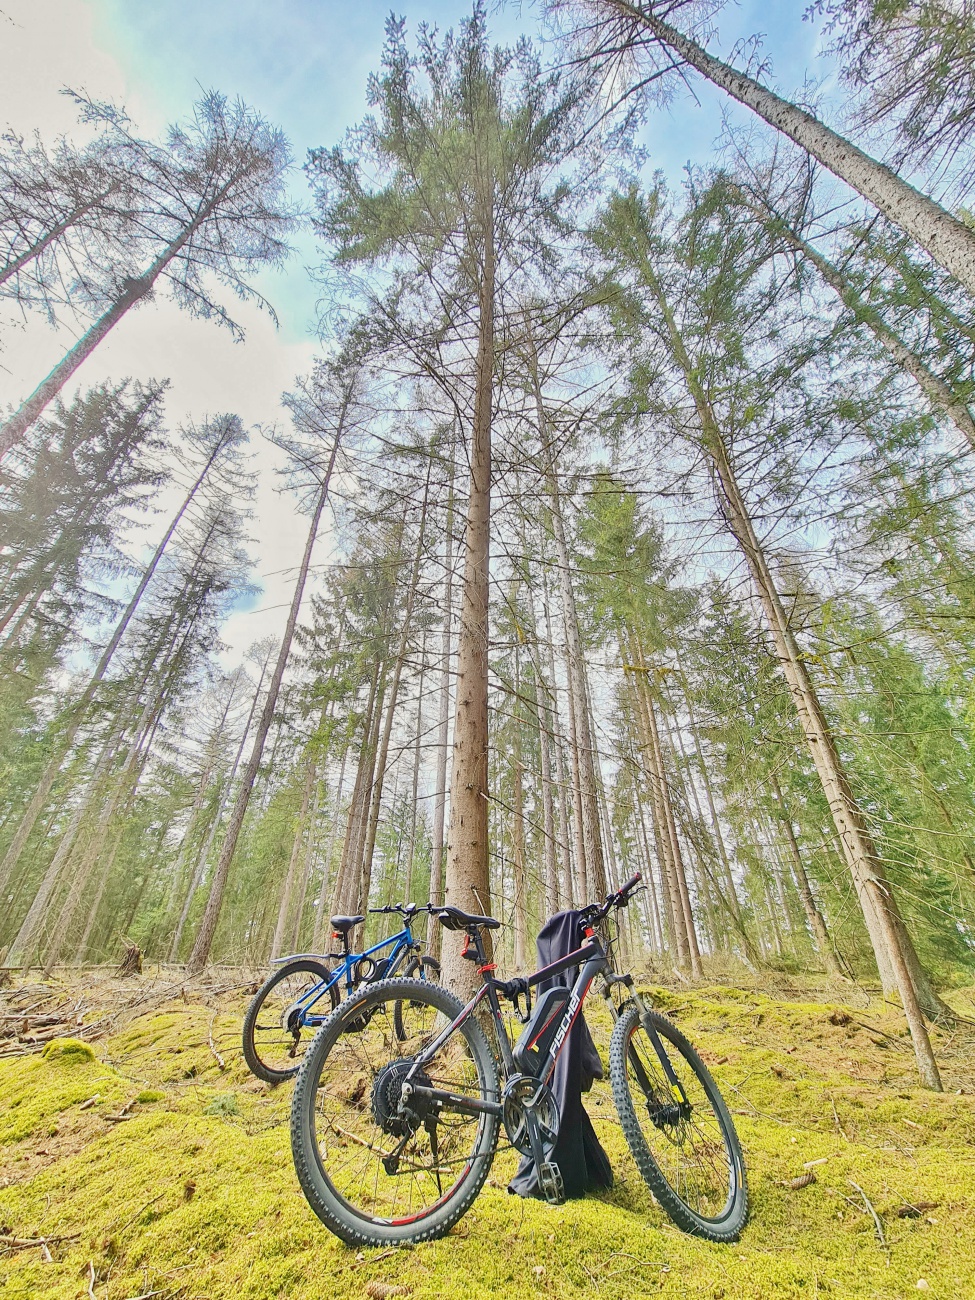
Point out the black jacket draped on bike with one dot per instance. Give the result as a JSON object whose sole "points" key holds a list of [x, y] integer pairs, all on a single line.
{"points": [[578, 1153]]}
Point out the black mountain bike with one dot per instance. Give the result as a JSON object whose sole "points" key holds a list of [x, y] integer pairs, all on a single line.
{"points": [[399, 1101]]}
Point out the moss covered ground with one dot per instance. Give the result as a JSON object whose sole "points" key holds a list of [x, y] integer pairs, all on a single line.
{"points": [[149, 1163]]}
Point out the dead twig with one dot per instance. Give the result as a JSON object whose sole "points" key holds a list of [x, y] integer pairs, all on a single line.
{"points": [[8, 1242], [91, 1280], [216, 1055], [873, 1213], [141, 1210]]}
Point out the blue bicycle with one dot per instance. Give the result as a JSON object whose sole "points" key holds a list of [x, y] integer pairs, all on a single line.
{"points": [[288, 1009]]}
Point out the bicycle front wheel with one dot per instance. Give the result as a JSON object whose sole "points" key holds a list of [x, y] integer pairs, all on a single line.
{"points": [[686, 1147], [375, 1172], [276, 1027]]}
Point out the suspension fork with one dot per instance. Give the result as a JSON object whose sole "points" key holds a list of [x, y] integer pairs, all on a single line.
{"points": [[676, 1087]]}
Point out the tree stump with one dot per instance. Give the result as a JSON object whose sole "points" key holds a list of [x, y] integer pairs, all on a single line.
{"points": [[131, 963]]}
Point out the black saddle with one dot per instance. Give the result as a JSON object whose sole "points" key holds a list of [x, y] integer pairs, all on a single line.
{"points": [[452, 918], [343, 924]]}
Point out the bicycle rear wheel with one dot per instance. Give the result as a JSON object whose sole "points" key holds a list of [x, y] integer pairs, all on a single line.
{"points": [[276, 1031], [376, 1174], [687, 1151], [423, 968]]}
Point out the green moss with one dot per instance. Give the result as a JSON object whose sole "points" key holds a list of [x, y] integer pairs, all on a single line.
{"points": [[69, 1051], [226, 1105], [176, 1201]]}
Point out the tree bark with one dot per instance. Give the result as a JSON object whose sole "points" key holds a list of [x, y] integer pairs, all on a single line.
{"points": [[468, 883], [434, 928]]}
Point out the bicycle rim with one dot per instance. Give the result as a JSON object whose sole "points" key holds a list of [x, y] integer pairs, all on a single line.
{"points": [[372, 1172], [276, 1032], [688, 1152]]}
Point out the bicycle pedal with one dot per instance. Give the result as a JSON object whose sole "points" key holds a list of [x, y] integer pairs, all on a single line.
{"points": [[551, 1183]]}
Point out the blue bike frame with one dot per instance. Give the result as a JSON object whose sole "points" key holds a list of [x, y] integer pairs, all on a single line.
{"points": [[401, 943]]}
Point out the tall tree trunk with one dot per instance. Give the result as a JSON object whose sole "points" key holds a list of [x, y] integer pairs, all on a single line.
{"points": [[940, 394], [365, 877], [655, 889], [520, 900], [859, 850], [321, 910], [591, 872], [211, 913], [203, 856], [719, 839], [566, 828], [548, 811], [668, 848], [683, 900], [434, 928], [468, 882], [26, 939], [414, 794], [284, 907], [122, 792], [949, 241], [817, 923], [132, 291], [80, 709], [307, 867], [346, 888]]}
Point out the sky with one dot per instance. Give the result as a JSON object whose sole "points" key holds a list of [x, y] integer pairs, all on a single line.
{"points": [[304, 65]]}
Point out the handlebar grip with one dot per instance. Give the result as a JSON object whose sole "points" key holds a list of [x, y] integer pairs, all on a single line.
{"points": [[630, 885]]}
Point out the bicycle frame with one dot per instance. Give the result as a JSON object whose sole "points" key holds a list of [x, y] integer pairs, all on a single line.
{"points": [[402, 942], [593, 961]]}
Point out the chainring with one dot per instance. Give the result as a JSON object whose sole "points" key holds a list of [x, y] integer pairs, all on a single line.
{"points": [[519, 1092]]}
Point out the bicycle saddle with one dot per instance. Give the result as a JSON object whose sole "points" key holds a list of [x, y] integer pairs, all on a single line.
{"points": [[343, 924], [452, 918]]}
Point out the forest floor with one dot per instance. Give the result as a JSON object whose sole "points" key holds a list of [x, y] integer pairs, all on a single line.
{"points": [[151, 1164]]}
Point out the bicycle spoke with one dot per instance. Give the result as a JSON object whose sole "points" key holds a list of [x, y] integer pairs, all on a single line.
{"points": [[406, 1161], [685, 1140]]}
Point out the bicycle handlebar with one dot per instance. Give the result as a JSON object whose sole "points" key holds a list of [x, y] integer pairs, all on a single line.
{"points": [[597, 912], [406, 909]]}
